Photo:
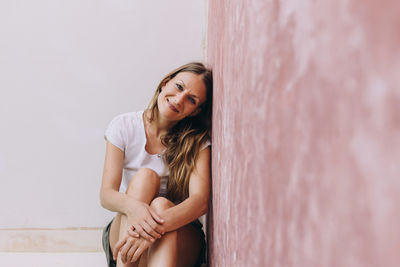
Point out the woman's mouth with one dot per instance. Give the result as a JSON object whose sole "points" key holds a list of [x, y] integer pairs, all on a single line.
{"points": [[172, 107]]}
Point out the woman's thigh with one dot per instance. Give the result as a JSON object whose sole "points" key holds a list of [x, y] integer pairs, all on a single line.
{"points": [[190, 243]]}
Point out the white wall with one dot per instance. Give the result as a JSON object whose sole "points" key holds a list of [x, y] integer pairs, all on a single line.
{"points": [[66, 69]]}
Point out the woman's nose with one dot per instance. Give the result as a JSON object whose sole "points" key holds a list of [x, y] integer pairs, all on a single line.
{"points": [[179, 98]]}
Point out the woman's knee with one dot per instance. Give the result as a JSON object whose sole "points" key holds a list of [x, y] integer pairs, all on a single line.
{"points": [[161, 203], [144, 177]]}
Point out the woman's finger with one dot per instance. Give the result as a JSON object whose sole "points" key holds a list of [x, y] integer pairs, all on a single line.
{"points": [[143, 233], [124, 250], [118, 246], [155, 216], [138, 252], [155, 226], [131, 252], [150, 231], [132, 232]]}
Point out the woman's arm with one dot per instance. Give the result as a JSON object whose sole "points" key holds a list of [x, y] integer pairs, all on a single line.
{"points": [[175, 217], [139, 214], [110, 198], [197, 202]]}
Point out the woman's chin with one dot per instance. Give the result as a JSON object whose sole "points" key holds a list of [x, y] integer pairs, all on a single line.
{"points": [[169, 114]]}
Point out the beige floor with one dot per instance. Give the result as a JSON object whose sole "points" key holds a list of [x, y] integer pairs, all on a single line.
{"points": [[25, 259]]}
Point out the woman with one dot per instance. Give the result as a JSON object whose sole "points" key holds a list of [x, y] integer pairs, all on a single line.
{"points": [[157, 176]]}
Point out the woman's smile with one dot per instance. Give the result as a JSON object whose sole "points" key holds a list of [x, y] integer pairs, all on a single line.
{"points": [[172, 107]]}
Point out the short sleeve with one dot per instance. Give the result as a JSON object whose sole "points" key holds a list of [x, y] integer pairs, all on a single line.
{"points": [[206, 144], [115, 132]]}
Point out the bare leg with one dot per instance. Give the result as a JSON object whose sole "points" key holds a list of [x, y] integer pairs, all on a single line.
{"points": [[177, 248], [164, 251], [189, 245], [144, 186]]}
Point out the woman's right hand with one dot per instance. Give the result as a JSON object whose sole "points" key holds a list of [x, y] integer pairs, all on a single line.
{"points": [[145, 221]]}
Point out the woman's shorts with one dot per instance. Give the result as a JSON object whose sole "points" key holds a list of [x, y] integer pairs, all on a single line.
{"points": [[111, 262], [106, 245]]}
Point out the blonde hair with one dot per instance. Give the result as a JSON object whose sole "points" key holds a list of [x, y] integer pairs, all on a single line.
{"points": [[184, 140]]}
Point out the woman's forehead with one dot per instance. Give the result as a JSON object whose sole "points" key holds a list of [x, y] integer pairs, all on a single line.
{"points": [[188, 77]]}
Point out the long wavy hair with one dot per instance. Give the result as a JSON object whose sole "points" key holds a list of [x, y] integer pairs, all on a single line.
{"points": [[185, 139]]}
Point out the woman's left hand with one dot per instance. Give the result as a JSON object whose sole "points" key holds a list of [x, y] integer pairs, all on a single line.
{"points": [[130, 247]]}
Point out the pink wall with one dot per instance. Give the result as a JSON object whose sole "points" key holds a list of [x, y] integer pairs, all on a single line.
{"points": [[306, 137]]}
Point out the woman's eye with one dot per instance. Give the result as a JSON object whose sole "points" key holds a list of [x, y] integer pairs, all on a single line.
{"points": [[179, 86], [192, 100]]}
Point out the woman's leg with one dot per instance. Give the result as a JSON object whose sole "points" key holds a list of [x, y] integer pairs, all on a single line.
{"points": [[164, 251], [144, 186], [190, 243], [177, 248]]}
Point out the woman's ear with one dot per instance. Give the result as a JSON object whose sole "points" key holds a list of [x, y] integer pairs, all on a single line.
{"points": [[163, 85]]}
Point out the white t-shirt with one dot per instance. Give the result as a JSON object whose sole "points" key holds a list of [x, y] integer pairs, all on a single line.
{"points": [[126, 131]]}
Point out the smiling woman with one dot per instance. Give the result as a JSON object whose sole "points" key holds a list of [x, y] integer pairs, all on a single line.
{"points": [[157, 175], [184, 100]]}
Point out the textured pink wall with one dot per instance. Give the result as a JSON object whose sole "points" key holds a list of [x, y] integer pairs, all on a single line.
{"points": [[306, 137]]}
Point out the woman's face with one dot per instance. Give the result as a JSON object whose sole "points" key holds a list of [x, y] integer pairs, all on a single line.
{"points": [[181, 96]]}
